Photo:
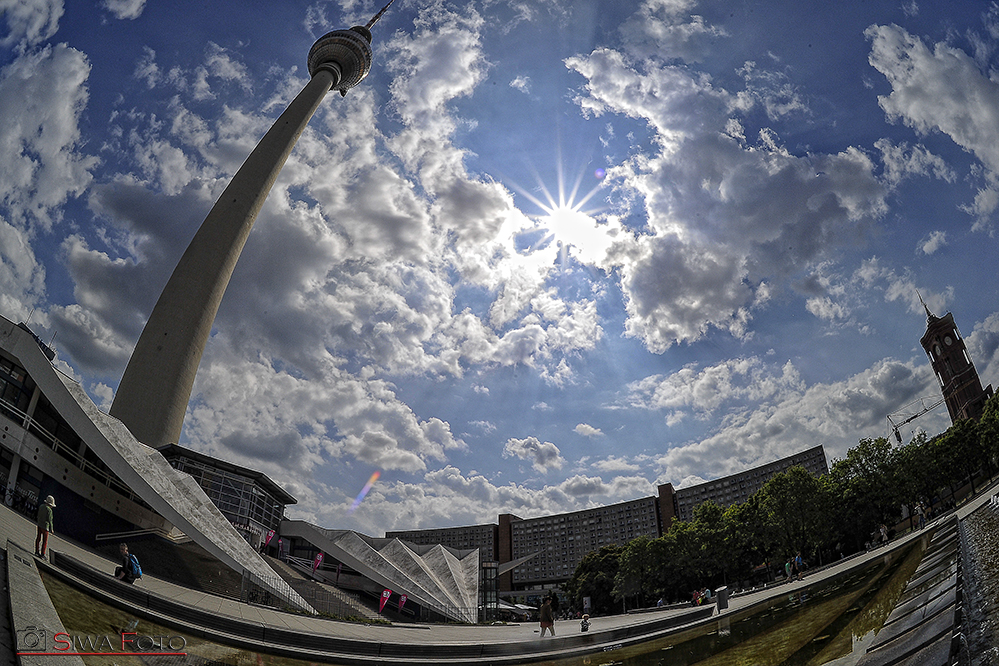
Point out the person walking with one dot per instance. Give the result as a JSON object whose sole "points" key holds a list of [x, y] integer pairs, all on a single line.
{"points": [[547, 618], [45, 526]]}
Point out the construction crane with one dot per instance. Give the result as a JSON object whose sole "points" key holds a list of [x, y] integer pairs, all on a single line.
{"points": [[910, 412]]}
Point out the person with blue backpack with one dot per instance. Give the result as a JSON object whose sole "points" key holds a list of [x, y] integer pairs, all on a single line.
{"points": [[129, 569]]}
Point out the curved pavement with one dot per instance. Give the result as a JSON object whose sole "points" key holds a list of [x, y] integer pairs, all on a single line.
{"points": [[307, 637]]}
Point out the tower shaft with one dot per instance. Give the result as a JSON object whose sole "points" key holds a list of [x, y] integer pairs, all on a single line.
{"points": [[152, 396]]}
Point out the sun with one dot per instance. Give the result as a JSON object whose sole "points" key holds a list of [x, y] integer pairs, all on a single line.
{"points": [[567, 220]]}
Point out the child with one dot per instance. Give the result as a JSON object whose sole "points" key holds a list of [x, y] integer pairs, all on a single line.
{"points": [[584, 625]]}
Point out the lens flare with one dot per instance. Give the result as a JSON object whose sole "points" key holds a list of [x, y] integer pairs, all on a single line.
{"points": [[364, 491]]}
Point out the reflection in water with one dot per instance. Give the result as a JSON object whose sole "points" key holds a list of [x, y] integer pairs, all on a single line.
{"points": [[820, 625], [84, 616], [824, 624], [852, 633]]}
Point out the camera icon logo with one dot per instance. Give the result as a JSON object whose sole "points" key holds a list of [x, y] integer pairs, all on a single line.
{"points": [[31, 639]]}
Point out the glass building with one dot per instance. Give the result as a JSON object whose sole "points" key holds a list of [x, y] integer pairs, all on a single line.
{"points": [[252, 502]]}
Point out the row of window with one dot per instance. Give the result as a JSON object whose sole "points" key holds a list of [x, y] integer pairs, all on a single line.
{"points": [[236, 496]]}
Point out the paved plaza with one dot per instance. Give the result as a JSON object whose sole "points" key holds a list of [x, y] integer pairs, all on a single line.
{"points": [[520, 640]]}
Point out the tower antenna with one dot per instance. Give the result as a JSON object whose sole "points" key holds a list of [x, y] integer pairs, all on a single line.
{"points": [[374, 19], [928, 314]]}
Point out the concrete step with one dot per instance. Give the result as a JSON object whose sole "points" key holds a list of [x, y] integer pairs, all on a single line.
{"points": [[319, 594]]}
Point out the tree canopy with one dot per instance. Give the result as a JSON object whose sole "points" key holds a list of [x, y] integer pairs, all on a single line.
{"points": [[793, 512]]}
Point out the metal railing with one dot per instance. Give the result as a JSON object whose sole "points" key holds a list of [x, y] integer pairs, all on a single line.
{"points": [[23, 501], [157, 531], [51, 441]]}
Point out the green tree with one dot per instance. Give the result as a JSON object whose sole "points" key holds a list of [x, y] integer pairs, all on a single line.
{"points": [[753, 537], [714, 544], [988, 430], [594, 578], [918, 475], [682, 547], [867, 487], [965, 450], [795, 505], [636, 573]]}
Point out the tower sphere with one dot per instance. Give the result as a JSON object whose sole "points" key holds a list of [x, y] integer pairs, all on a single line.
{"points": [[347, 53]]}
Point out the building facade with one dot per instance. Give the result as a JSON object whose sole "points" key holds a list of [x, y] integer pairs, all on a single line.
{"points": [[252, 502], [738, 488], [561, 541], [55, 441], [551, 547], [483, 537]]}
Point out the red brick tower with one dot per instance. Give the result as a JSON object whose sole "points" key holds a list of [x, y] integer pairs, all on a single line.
{"points": [[962, 389]]}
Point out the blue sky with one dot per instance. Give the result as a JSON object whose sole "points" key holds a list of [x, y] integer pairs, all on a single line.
{"points": [[546, 256]]}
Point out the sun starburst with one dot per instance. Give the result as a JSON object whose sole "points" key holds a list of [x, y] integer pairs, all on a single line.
{"points": [[567, 219]]}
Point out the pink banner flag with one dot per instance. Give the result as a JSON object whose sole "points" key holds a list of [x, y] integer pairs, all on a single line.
{"points": [[386, 593], [270, 535], [402, 601], [316, 562]]}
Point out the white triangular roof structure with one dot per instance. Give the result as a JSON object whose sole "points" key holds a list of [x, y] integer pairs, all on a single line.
{"points": [[438, 577], [173, 495]]}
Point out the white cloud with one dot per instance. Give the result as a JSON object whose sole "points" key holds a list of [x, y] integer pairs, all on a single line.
{"points": [[901, 162], [933, 242], [688, 481], [703, 391], [219, 68], [242, 403], [521, 83], [983, 346], [125, 9], [941, 89], [29, 22], [586, 430], [724, 217], [937, 89], [42, 95], [872, 274], [824, 307], [615, 464], [772, 91], [544, 456], [836, 415], [669, 29], [22, 278], [486, 427]]}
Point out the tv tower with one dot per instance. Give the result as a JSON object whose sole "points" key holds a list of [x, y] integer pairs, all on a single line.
{"points": [[152, 396]]}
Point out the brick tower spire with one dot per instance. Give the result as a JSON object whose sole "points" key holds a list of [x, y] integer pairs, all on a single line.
{"points": [[962, 389]]}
